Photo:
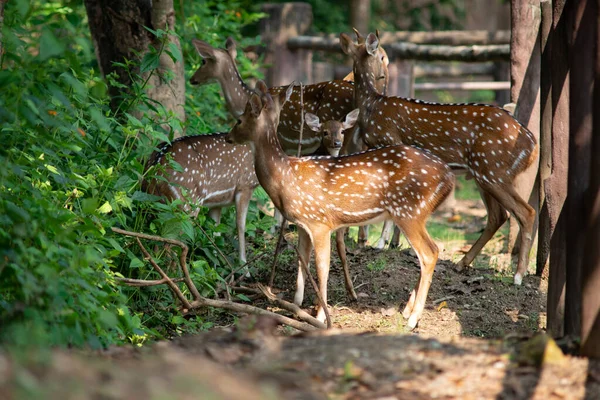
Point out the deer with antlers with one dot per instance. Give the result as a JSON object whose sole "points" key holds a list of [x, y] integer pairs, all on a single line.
{"points": [[486, 141], [323, 194], [212, 173]]}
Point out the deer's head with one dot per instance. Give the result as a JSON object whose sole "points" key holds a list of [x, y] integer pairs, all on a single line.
{"points": [[370, 60], [260, 115], [214, 61], [332, 131]]}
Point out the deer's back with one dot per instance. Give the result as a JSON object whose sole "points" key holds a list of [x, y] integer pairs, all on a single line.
{"points": [[471, 136], [210, 170]]}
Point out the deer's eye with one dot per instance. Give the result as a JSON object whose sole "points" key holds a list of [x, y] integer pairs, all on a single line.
{"points": [[203, 61], [326, 133], [239, 121]]}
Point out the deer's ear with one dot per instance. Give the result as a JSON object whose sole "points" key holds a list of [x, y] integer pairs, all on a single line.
{"points": [[288, 92], [231, 47], [348, 46], [261, 87], [351, 119], [204, 49], [313, 122], [372, 44], [255, 105]]}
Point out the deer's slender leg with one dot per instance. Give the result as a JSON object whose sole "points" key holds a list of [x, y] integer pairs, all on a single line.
{"points": [[496, 216], [215, 214], [525, 214], [341, 249], [304, 249], [242, 201], [427, 252], [363, 236], [322, 244], [386, 234]]}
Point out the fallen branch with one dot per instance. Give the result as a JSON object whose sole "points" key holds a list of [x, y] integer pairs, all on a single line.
{"points": [[199, 301], [291, 307], [145, 282], [229, 305]]}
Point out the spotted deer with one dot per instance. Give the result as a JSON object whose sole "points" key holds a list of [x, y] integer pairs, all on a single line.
{"points": [[486, 141], [213, 173], [323, 194], [328, 100]]}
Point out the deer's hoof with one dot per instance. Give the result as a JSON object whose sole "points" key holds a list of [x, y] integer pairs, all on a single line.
{"points": [[380, 245], [412, 322], [462, 265], [518, 279]]}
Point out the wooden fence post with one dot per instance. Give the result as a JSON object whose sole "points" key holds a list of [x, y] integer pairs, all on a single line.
{"points": [[544, 228], [582, 22], [590, 302], [555, 187], [286, 20]]}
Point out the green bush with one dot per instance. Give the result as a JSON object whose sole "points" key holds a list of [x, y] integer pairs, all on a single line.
{"points": [[71, 170]]}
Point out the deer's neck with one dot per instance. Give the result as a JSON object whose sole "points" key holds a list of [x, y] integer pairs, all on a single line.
{"points": [[365, 93], [235, 91], [272, 166]]}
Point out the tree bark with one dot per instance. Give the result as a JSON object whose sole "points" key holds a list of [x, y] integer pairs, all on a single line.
{"points": [[117, 28], [544, 229], [360, 15], [525, 92]]}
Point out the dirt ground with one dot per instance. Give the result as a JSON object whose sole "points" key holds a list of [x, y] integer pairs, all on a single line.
{"points": [[480, 337]]}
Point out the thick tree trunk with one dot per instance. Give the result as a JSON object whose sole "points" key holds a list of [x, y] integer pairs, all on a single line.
{"points": [[360, 15], [118, 32], [525, 91]]}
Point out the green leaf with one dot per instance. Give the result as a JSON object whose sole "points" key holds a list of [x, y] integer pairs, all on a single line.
{"points": [[50, 46], [243, 297], [143, 196], [136, 263], [149, 62], [89, 205], [177, 320], [105, 208], [188, 229], [52, 169], [174, 52], [116, 245]]}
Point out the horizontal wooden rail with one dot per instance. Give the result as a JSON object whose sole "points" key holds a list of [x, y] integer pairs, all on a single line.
{"points": [[462, 86], [430, 70], [411, 51], [453, 38]]}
